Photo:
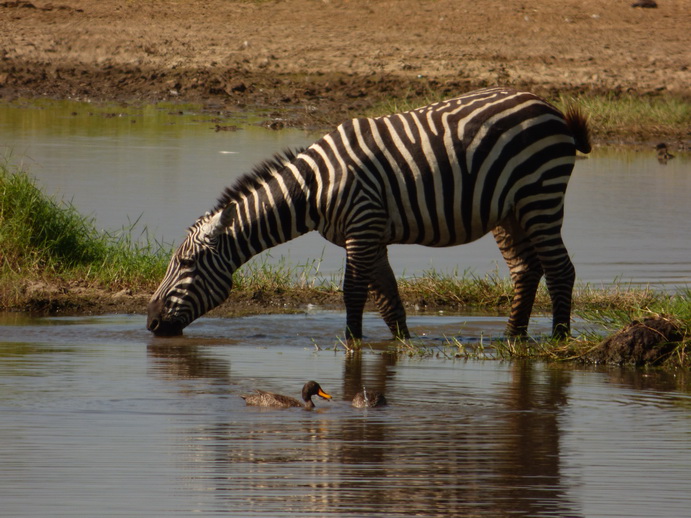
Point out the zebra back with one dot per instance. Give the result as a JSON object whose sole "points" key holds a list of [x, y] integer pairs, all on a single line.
{"points": [[447, 173]]}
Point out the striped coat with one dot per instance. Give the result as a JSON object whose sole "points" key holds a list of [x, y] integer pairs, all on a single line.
{"points": [[494, 160]]}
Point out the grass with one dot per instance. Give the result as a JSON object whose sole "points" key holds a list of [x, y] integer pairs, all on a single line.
{"points": [[613, 115], [607, 309], [270, 275], [42, 238]]}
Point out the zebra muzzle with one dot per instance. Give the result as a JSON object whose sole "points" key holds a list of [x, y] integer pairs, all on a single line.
{"points": [[157, 324]]}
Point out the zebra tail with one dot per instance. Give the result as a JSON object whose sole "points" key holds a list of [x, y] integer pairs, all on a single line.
{"points": [[577, 123]]}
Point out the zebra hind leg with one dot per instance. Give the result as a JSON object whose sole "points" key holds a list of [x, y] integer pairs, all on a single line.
{"points": [[385, 292], [560, 276], [526, 272]]}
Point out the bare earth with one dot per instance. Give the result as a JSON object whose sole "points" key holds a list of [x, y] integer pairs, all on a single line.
{"points": [[318, 62], [315, 63]]}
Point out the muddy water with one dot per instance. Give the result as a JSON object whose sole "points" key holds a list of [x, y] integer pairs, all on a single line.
{"points": [[98, 418], [626, 214]]}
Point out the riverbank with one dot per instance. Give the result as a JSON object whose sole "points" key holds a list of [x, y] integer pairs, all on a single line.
{"points": [[54, 261], [313, 64]]}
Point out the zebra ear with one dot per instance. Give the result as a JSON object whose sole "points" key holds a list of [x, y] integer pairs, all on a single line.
{"points": [[221, 220], [228, 214]]}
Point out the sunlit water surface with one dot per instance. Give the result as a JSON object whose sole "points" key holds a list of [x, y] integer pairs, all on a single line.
{"points": [[98, 418], [626, 214]]}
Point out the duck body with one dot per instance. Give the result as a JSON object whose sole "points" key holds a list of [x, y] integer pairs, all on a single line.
{"points": [[663, 155], [266, 399], [369, 399]]}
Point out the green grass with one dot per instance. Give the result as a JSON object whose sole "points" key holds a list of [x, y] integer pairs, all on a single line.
{"points": [[42, 237], [646, 117], [607, 309], [267, 274]]}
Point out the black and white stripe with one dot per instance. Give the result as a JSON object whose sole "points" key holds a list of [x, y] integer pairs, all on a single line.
{"points": [[494, 160]]}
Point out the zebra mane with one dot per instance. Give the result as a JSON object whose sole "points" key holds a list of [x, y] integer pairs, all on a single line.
{"points": [[252, 180]]}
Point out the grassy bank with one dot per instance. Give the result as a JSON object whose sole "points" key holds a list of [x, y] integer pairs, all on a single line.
{"points": [[44, 240], [636, 118], [49, 252]]}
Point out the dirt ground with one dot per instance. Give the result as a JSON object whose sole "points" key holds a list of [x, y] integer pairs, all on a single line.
{"points": [[318, 62], [314, 63]]}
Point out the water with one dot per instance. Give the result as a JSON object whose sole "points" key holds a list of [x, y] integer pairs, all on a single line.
{"points": [[626, 214], [99, 418]]}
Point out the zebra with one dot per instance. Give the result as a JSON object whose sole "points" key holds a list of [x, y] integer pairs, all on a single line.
{"points": [[492, 160]]}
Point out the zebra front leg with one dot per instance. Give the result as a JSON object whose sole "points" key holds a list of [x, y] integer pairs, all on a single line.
{"points": [[385, 291], [363, 244], [358, 271], [354, 297], [526, 272]]}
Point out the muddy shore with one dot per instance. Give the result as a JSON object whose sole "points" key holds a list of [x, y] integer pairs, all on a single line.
{"points": [[316, 63]]}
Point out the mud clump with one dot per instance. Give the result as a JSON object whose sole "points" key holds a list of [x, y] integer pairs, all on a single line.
{"points": [[648, 342]]}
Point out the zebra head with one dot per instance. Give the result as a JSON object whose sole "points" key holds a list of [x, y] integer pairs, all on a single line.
{"points": [[199, 276]]}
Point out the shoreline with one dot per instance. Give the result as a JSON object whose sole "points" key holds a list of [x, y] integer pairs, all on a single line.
{"points": [[321, 102], [316, 63]]}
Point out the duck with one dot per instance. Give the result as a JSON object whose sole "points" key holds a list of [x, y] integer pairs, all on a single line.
{"points": [[266, 399], [365, 399], [646, 4], [662, 154]]}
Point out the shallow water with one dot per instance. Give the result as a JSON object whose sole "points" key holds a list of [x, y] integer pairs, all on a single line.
{"points": [[626, 214], [99, 418]]}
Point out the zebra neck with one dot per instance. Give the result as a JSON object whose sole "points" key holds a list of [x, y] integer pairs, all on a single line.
{"points": [[270, 215]]}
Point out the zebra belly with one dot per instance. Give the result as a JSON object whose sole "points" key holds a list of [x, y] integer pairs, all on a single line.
{"points": [[440, 231], [424, 240]]}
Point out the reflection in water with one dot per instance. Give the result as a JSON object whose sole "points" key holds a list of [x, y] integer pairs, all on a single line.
{"points": [[182, 362], [98, 418], [355, 380], [501, 459]]}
